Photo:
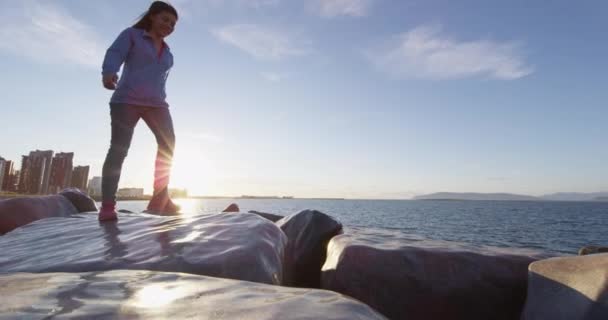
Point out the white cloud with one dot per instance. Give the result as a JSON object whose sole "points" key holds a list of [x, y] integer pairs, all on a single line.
{"points": [[272, 76], [256, 4], [261, 42], [47, 33], [334, 8], [259, 3], [424, 52]]}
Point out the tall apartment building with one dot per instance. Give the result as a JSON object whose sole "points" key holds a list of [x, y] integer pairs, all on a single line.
{"points": [[61, 172], [2, 174], [31, 180], [8, 183], [80, 177], [35, 172]]}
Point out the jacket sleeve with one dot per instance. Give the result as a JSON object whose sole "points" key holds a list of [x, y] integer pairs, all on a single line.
{"points": [[117, 53]]}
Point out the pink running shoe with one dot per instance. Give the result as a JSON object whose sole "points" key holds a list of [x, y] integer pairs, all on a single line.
{"points": [[108, 211], [171, 207]]}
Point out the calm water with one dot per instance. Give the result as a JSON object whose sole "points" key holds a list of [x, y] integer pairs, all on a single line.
{"points": [[561, 227]]}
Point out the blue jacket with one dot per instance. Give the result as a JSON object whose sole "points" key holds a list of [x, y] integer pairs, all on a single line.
{"points": [[145, 72]]}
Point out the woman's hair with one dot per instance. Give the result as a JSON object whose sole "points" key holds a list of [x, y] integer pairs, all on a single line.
{"points": [[155, 8]]}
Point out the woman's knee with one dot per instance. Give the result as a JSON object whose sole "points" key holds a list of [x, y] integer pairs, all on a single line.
{"points": [[118, 151], [167, 142]]}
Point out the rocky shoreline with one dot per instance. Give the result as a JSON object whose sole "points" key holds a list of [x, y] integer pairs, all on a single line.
{"points": [[59, 261]]}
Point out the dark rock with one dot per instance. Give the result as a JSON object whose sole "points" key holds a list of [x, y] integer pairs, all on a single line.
{"points": [[127, 294], [17, 212], [568, 288], [125, 211], [592, 250], [270, 216], [308, 233], [233, 207], [242, 246], [407, 277], [79, 199]]}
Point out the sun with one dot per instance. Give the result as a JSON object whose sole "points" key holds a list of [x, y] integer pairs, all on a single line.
{"points": [[193, 170]]}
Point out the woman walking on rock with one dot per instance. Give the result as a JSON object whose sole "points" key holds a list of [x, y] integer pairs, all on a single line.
{"points": [[140, 93]]}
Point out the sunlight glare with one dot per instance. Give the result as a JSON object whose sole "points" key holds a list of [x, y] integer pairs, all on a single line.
{"points": [[193, 169], [158, 295]]}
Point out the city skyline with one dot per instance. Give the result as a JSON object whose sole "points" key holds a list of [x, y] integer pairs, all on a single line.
{"points": [[42, 172], [329, 99]]}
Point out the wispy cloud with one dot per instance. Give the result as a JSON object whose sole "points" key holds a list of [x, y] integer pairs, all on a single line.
{"points": [[262, 42], [259, 3], [424, 52], [272, 76], [189, 5], [335, 8], [48, 33]]}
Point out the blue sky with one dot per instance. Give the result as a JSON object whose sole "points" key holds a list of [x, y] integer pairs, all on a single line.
{"points": [[329, 98]]}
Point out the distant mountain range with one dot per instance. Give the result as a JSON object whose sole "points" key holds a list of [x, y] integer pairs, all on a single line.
{"points": [[562, 196], [474, 196], [574, 196]]}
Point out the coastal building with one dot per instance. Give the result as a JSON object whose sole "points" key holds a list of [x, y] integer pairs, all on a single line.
{"points": [[2, 174], [8, 182], [130, 193], [61, 172], [8, 178], [33, 178], [80, 177], [95, 187], [35, 172]]}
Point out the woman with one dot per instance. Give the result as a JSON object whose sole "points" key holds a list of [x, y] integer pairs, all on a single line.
{"points": [[140, 93]]}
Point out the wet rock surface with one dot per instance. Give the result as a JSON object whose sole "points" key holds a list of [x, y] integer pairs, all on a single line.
{"points": [[270, 216], [407, 277], [243, 246], [17, 212], [308, 233], [158, 295], [572, 288], [79, 199], [592, 250]]}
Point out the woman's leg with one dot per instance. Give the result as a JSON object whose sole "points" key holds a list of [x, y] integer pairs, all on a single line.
{"points": [[160, 122], [124, 118]]}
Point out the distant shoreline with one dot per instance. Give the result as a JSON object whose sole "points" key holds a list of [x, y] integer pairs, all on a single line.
{"points": [[4, 196], [148, 197]]}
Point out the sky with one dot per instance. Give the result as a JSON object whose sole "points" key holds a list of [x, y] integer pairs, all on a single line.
{"points": [[375, 99]]}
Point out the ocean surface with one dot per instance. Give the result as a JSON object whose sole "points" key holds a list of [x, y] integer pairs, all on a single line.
{"points": [[556, 227]]}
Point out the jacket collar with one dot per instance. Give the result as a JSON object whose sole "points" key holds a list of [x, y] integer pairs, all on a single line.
{"points": [[148, 35]]}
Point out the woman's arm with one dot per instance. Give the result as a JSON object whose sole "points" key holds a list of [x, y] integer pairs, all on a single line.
{"points": [[115, 57]]}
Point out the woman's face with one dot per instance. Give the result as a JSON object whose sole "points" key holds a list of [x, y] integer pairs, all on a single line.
{"points": [[163, 23]]}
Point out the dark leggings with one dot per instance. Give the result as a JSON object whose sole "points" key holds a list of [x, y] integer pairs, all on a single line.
{"points": [[124, 118]]}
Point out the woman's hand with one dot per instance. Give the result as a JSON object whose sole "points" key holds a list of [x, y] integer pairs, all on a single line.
{"points": [[109, 81]]}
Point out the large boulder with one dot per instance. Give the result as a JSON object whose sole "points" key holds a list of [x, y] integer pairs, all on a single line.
{"points": [[17, 212], [407, 277], [270, 216], [568, 288], [79, 199], [592, 250], [308, 232], [243, 246], [233, 207], [131, 294]]}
